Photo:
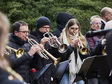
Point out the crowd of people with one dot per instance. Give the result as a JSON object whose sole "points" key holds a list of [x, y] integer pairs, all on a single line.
{"points": [[24, 54]]}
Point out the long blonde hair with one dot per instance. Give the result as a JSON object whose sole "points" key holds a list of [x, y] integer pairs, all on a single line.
{"points": [[70, 23], [4, 26], [4, 64]]}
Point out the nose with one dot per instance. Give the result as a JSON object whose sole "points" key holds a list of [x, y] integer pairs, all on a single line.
{"points": [[47, 29], [27, 33]]}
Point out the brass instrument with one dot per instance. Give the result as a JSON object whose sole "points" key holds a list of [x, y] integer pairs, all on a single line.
{"points": [[4, 64], [82, 49], [103, 51], [103, 43], [45, 53], [13, 74], [61, 47], [18, 52]]}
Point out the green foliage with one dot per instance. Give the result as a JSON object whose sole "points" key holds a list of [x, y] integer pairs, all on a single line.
{"points": [[30, 10]]}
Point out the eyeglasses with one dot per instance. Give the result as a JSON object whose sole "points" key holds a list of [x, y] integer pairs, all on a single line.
{"points": [[24, 31], [74, 29], [97, 23]]}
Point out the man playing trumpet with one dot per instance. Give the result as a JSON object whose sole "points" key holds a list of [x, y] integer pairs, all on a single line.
{"points": [[21, 62], [43, 26]]}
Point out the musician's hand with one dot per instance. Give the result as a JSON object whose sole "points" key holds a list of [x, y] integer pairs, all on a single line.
{"points": [[54, 39], [75, 42], [42, 47], [44, 40], [34, 49], [103, 42]]}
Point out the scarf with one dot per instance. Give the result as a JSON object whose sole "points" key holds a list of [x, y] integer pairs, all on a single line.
{"points": [[75, 63], [17, 40]]}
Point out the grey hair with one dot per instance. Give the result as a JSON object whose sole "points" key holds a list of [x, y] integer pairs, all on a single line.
{"points": [[92, 17]]}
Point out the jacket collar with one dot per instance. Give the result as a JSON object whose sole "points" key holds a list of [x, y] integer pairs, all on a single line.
{"points": [[15, 39]]}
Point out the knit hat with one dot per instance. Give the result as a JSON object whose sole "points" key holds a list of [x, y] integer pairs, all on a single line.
{"points": [[42, 21]]}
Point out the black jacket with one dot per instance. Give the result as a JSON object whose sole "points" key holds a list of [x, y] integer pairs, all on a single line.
{"points": [[39, 62], [98, 49], [109, 49], [20, 65], [4, 78]]}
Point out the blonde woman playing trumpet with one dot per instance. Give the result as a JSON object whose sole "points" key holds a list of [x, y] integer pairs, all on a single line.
{"points": [[71, 35]]}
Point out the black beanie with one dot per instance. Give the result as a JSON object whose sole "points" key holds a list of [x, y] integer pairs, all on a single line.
{"points": [[42, 21]]}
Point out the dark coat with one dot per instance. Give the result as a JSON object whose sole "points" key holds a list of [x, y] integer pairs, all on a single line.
{"points": [[20, 65], [109, 49], [4, 78], [98, 49], [91, 42], [39, 62]]}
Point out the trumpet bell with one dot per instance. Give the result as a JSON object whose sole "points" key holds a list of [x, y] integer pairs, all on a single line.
{"points": [[83, 51], [63, 48], [104, 52], [19, 52]]}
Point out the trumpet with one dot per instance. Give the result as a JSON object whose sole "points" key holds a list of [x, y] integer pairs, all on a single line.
{"points": [[104, 51], [82, 49], [61, 47], [18, 52], [13, 74], [103, 43], [44, 54]]}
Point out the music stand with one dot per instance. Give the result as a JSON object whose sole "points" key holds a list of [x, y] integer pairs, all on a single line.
{"points": [[60, 70], [43, 70], [93, 67]]}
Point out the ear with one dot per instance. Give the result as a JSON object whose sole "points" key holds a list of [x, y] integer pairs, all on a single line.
{"points": [[16, 33]]}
